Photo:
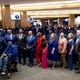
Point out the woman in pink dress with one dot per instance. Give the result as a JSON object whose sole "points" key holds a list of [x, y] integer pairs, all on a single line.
{"points": [[44, 52]]}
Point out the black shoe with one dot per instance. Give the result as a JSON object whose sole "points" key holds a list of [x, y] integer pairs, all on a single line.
{"points": [[16, 70], [0, 71], [28, 64], [24, 63], [31, 65], [19, 62], [78, 72], [76, 68]]}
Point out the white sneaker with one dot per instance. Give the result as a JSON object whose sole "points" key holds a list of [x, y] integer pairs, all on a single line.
{"points": [[3, 73]]}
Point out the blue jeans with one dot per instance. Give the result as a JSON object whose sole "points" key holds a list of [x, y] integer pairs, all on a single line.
{"points": [[3, 63], [70, 61]]}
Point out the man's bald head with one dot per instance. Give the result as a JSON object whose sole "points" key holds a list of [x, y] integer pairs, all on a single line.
{"points": [[20, 31], [9, 31], [78, 32], [30, 33]]}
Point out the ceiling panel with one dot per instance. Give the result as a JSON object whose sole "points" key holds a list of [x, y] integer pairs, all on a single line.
{"points": [[27, 1], [54, 12], [46, 6]]}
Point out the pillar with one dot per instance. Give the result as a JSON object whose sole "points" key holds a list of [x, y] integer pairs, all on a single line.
{"points": [[49, 23], [60, 21], [24, 22], [6, 16], [71, 20]]}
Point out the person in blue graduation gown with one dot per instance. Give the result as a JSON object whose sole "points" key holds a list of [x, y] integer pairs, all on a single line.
{"points": [[10, 37], [10, 50], [52, 51], [30, 45]]}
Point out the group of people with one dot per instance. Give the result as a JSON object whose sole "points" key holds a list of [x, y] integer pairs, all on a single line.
{"points": [[49, 46]]}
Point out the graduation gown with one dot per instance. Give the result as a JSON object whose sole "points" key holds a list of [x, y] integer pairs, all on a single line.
{"points": [[13, 51], [53, 54]]}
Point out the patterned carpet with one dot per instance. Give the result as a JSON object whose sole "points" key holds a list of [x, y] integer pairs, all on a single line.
{"points": [[37, 73]]}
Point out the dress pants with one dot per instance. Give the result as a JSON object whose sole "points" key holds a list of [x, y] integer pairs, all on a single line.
{"points": [[24, 56], [63, 59], [31, 57], [20, 54], [70, 61]]}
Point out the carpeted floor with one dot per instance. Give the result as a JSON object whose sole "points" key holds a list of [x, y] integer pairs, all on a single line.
{"points": [[37, 73]]}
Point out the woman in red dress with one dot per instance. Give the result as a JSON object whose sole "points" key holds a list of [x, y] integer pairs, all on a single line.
{"points": [[38, 48]]}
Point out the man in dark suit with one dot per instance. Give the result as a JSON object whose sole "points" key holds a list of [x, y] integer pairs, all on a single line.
{"points": [[21, 44], [77, 48], [30, 45], [10, 36]]}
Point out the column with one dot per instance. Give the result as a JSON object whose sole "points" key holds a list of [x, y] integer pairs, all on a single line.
{"points": [[71, 20], [60, 21], [6, 16], [49, 23], [24, 22]]}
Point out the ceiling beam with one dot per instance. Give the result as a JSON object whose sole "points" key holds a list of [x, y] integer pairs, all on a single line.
{"points": [[46, 7]]}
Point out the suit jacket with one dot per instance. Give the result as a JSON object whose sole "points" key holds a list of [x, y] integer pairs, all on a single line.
{"points": [[7, 38], [20, 42], [30, 43]]}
